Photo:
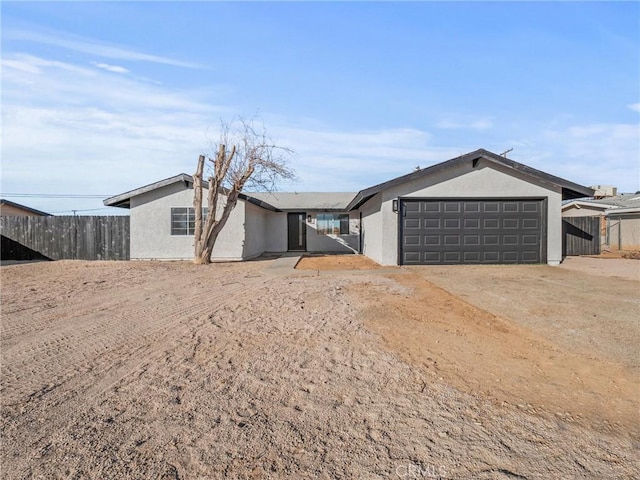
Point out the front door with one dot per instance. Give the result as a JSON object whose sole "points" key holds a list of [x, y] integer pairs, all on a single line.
{"points": [[297, 229]]}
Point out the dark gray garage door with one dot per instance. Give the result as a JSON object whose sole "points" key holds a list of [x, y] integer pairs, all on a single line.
{"points": [[472, 231]]}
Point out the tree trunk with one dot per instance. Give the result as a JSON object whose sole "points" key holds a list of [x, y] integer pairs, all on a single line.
{"points": [[197, 207]]}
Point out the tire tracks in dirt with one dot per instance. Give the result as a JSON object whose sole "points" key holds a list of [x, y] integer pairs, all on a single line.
{"points": [[108, 345]]}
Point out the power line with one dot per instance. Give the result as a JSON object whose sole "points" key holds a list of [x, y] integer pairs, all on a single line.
{"points": [[83, 210]]}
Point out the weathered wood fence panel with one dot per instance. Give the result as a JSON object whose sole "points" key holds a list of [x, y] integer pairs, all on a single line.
{"points": [[65, 237], [580, 236]]}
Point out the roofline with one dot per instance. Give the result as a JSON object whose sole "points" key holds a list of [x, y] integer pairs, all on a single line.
{"points": [[569, 189], [587, 203], [622, 210], [24, 207], [267, 206], [123, 200]]}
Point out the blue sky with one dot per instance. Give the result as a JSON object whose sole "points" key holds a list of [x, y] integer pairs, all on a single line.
{"points": [[102, 97]]}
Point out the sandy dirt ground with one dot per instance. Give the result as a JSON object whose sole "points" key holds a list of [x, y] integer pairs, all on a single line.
{"points": [[337, 262], [170, 370], [604, 265]]}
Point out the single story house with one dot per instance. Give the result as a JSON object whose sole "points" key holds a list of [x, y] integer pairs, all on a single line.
{"points": [[476, 208], [619, 218], [13, 209]]}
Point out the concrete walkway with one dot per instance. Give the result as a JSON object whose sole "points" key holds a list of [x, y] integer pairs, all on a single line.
{"points": [[286, 264]]}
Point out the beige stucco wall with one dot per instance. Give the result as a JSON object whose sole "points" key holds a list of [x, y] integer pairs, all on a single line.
{"points": [[485, 180], [151, 227], [574, 211], [624, 232], [11, 211]]}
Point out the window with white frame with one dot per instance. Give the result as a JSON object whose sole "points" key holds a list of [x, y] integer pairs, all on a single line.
{"points": [[332, 223], [183, 220]]}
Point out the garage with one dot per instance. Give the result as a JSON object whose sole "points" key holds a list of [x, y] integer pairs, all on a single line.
{"points": [[484, 230]]}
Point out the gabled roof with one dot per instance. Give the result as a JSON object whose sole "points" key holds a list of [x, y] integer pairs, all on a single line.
{"points": [[569, 189], [124, 199], [24, 207]]}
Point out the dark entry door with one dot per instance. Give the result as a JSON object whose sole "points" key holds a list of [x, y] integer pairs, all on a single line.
{"points": [[297, 229], [472, 231]]}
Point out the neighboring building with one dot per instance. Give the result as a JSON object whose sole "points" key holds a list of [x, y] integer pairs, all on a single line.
{"points": [[12, 209], [476, 208], [623, 228], [619, 218], [602, 191]]}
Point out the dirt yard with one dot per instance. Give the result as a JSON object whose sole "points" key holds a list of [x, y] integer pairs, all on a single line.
{"points": [[169, 370], [337, 262]]}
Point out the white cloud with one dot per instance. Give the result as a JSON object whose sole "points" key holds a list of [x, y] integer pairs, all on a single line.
{"points": [[71, 129], [634, 106], [483, 123], [328, 160], [590, 154], [81, 129], [91, 47], [110, 68]]}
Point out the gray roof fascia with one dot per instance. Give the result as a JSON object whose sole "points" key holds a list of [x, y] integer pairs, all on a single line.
{"points": [[247, 197], [124, 199], [570, 189]]}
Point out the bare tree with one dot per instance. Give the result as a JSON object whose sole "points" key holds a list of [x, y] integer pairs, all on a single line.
{"points": [[244, 159]]}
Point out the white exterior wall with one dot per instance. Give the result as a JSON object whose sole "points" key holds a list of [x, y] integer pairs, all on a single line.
{"points": [[372, 228], [151, 227], [265, 231], [333, 243], [276, 232], [255, 229], [464, 181]]}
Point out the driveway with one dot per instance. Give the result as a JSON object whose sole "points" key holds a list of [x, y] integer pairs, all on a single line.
{"points": [[595, 311], [604, 267]]}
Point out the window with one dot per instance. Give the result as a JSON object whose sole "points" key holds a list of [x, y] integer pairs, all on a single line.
{"points": [[183, 220], [333, 223]]}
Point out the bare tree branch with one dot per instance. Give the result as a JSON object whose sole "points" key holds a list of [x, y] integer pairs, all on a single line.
{"points": [[253, 163]]}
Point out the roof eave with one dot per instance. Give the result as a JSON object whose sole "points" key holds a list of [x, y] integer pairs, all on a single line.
{"points": [[569, 189], [123, 200], [257, 202], [24, 207], [622, 210]]}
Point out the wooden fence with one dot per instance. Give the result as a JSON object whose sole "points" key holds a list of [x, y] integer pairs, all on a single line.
{"points": [[580, 236], [65, 237]]}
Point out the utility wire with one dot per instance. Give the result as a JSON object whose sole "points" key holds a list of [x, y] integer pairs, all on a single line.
{"points": [[83, 210]]}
